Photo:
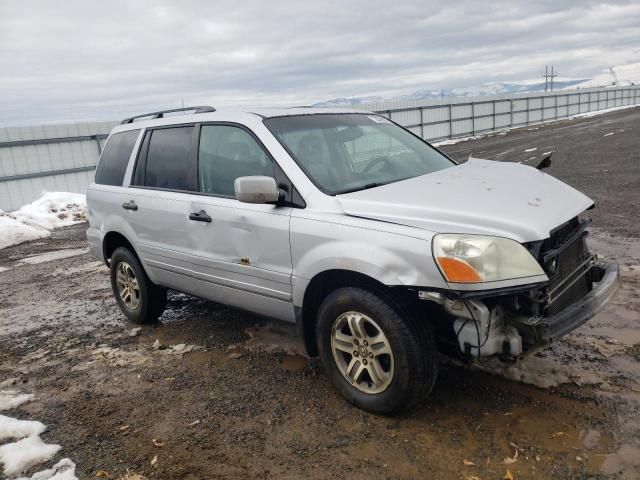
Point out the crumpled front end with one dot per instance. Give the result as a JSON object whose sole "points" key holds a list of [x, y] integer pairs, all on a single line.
{"points": [[510, 322]]}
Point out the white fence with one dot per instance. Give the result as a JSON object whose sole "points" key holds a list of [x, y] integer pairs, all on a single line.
{"points": [[440, 119], [63, 157]]}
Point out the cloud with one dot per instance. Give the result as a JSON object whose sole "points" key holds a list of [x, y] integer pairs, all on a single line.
{"points": [[82, 60]]}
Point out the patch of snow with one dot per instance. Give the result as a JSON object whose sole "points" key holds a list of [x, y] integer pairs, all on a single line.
{"points": [[4, 269], [13, 232], [27, 449], [453, 141], [599, 112], [627, 75], [87, 267], [65, 469], [24, 454], [37, 219], [607, 134], [541, 372], [9, 382], [530, 150], [10, 428], [53, 210], [13, 398], [55, 255], [548, 153]]}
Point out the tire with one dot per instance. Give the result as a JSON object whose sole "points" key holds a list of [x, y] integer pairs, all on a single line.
{"points": [[143, 304], [389, 383]]}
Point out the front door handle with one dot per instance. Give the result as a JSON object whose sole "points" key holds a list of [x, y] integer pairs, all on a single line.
{"points": [[200, 216], [131, 205]]}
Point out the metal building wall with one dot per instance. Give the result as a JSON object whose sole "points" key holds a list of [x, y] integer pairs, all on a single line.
{"points": [[63, 157], [50, 157]]}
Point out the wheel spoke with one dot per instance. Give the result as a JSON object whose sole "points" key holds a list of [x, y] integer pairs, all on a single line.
{"points": [[379, 345], [343, 346], [355, 369], [356, 325], [343, 342], [378, 375], [121, 277]]}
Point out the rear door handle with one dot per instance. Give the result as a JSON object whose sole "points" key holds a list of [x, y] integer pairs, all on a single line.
{"points": [[201, 216], [131, 205]]}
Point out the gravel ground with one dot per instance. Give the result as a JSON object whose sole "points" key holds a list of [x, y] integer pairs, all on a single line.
{"points": [[211, 392]]}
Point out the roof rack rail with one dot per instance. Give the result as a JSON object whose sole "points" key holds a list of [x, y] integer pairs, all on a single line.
{"points": [[160, 114]]}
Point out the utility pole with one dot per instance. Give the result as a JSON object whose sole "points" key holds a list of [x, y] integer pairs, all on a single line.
{"points": [[548, 77]]}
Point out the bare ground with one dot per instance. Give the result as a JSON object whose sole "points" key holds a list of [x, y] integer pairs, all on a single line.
{"points": [[243, 404]]}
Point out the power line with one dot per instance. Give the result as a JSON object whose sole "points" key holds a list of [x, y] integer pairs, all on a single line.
{"points": [[548, 77]]}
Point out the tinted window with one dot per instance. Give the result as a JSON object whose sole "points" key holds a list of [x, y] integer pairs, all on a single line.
{"points": [[168, 160], [115, 157], [227, 153]]}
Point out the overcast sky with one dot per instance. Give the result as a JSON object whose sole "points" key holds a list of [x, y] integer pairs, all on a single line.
{"points": [[84, 60]]}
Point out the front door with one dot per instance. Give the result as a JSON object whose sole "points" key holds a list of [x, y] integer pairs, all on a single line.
{"points": [[240, 251]]}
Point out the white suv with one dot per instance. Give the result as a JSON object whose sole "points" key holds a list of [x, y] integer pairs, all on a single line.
{"points": [[378, 246]]}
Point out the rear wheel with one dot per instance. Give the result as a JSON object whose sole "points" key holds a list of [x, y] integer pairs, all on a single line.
{"points": [[139, 299], [375, 355]]}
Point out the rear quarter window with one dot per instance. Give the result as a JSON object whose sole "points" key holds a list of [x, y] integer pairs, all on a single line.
{"points": [[115, 158]]}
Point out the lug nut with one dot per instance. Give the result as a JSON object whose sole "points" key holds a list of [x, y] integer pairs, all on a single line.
{"points": [[365, 343], [355, 341], [355, 353], [370, 355], [364, 361]]}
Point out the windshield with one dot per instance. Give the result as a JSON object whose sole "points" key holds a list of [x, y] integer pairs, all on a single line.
{"points": [[347, 152]]}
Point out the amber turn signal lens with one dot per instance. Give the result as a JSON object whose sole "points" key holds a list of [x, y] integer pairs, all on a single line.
{"points": [[458, 271]]}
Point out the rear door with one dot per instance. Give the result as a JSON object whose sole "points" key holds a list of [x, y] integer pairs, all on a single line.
{"points": [[164, 179]]}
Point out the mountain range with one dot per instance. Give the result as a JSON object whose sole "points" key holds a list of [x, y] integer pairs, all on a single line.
{"points": [[627, 74]]}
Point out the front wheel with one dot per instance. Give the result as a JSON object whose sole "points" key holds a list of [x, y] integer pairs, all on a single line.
{"points": [[374, 354]]}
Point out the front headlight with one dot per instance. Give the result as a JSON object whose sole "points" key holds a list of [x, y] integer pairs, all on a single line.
{"points": [[479, 258]]}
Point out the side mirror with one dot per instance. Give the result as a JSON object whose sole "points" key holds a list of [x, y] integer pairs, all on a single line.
{"points": [[256, 189], [545, 163]]}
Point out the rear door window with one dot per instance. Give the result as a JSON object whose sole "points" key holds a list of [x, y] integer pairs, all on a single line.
{"points": [[115, 158], [169, 164]]}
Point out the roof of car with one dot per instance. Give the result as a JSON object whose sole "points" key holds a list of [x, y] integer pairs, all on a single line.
{"points": [[231, 115]]}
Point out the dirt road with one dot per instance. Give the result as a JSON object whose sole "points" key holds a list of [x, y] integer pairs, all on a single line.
{"points": [[216, 393]]}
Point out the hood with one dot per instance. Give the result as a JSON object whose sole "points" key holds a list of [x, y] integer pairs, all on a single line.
{"points": [[480, 196]]}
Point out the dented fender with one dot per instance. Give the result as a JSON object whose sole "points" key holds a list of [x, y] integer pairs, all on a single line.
{"points": [[387, 256]]}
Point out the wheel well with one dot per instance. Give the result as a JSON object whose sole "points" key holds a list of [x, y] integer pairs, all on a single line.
{"points": [[323, 284], [113, 240]]}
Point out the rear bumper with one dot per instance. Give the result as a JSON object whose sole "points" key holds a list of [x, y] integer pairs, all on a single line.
{"points": [[550, 328], [95, 243]]}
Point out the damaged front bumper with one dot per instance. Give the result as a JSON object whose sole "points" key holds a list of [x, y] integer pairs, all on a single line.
{"points": [[490, 324], [543, 330]]}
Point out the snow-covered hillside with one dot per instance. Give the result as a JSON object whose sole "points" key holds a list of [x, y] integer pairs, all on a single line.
{"points": [[37, 219], [627, 75]]}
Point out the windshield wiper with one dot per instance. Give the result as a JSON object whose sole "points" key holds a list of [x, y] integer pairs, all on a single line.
{"points": [[364, 187]]}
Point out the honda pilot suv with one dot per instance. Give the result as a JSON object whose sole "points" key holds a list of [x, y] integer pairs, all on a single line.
{"points": [[380, 248]]}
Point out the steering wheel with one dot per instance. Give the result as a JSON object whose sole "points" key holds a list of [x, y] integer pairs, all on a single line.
{"points": [[375, 161]]}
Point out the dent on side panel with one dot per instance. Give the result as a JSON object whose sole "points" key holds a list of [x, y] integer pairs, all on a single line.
{"points": [[389, 258], [249, 246]]}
